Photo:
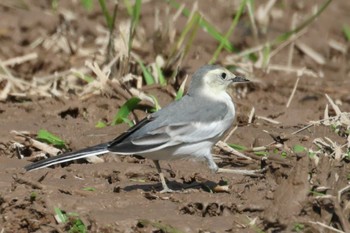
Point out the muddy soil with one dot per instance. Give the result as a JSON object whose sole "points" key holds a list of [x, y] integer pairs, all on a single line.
{"points": [[296, 192]]}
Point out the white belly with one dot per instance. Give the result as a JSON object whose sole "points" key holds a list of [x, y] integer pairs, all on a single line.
{"points": [[190, 150]]}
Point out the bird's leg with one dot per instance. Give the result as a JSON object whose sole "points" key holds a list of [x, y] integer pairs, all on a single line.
{"points": [[166, 189], [212, 165]]}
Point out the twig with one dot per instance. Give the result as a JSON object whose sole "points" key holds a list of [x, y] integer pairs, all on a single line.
{"points": [[336, 45], [292, 39], [230, 134], [6, 91], [317, 57], [262, 14], [245, 52], [252, 19], [334, 106], [39, 145], [223, 146], [268, 120], [293, 92], [142, 95], [326, 115], [311, 124], [95, 159], [254, 173], [44, 79], [260, 47], [292, 45], [306, 71], [178, 13], [262, 148], [326, 226], [251, 115], [16, 81], [101, 85], [18, 147], [111, 64], [20, 59], [341, 191]]}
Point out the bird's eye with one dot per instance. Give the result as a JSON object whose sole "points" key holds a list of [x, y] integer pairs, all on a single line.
{"points": [[223, 76]]}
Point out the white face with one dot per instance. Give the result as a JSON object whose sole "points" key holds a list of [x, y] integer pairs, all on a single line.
{"points": [[218, 80]]}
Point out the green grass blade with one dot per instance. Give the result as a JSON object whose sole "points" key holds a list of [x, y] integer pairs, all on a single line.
{"points": [[106, 14], [47, 137], [33, 196], [88, 78], [134, 22], [136, 13], [216, 35], [156, 104], [100, 124], [346, 31], [191, 22], [54, 4], [298, 149], [285, 36], [300, 27], [85, 77], [61, 217], [138, 180], [229, 32], [206, 26], [128, 7], [91, 189], [266, 54], [261, 153], [193, 34], [162, 80], [129, 122], [78, 227], [87, 4], [238, 147], [181, 90], [146, 74], [125, 110]]}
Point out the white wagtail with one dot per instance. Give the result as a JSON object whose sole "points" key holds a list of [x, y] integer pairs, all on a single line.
{"points": [[185, 128]]}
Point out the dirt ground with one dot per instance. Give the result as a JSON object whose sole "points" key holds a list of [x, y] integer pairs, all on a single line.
{"points": [[299, 191]]}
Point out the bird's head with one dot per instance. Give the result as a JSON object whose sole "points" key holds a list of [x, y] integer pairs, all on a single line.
{"points": [[213, 79]]}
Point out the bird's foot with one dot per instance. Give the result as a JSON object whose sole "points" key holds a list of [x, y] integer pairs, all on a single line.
{"points": [[167, 190]]}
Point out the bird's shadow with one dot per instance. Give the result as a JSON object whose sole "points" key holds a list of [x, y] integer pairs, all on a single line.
{"points": [[174, 185]]}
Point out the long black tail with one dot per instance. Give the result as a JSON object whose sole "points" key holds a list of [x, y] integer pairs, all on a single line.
{"points": [[87, 152]]}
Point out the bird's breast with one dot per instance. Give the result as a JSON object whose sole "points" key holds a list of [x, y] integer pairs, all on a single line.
{"points": [[227, 121]]}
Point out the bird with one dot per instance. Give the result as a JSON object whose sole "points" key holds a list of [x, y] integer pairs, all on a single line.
{"points": [[186, 128]]}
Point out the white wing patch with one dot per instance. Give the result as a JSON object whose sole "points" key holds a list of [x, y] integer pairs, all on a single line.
{"points": [[151, 140], [182, 133], [199, 131]]}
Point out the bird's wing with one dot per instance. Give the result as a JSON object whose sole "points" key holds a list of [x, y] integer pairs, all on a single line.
{"points": [[184, 121]]}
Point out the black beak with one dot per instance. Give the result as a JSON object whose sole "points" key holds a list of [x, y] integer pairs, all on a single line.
{"points": [[238, 79]]}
